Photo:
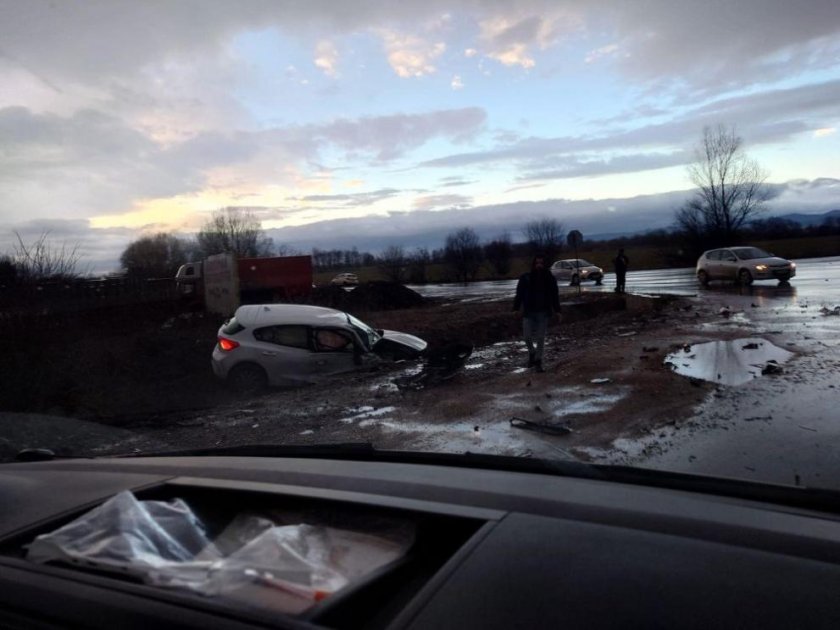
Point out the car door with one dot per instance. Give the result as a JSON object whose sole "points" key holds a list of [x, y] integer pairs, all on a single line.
{"points": [[565, 271], [336, 350], [711, 264], [728, 265], [285, 352]]}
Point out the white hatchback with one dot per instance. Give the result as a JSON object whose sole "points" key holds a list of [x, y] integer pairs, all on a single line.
{"points": [[345, 280], [577, 270], [743, 265], [293, 344]]}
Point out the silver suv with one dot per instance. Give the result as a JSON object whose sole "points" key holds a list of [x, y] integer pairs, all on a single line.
{"points": [[743, 265], [577, 270]]}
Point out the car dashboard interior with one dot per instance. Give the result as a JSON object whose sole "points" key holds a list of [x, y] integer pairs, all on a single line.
{"points": [[491, 548]]}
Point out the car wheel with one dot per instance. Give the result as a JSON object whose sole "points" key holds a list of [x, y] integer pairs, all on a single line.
{"points": [[703, 278], [247, 379], [745, 278]]}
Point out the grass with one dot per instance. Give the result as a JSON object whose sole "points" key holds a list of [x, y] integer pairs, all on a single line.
{"points": [[641, 258]]}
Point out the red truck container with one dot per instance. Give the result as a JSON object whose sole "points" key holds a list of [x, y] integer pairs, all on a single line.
{"points": [[259, 280]]}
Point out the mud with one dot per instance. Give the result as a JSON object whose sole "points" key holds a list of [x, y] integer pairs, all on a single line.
{"points": [[472, 411]]}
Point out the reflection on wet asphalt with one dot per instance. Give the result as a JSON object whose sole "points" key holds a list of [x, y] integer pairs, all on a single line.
{"points": [[813, 277], [727, 362]]}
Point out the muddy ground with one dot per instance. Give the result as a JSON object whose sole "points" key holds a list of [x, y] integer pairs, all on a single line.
{"points": [[149, 388], [621, 339]]}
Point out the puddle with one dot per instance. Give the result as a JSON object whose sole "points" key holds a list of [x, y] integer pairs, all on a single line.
{"points": [[727, 362], [474, 366]]}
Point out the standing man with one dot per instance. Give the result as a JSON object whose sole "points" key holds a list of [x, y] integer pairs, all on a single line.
{"points": [[537, 299], [621, 262]]}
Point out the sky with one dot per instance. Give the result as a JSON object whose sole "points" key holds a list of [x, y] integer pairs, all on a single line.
{"points": [[370, 123]]}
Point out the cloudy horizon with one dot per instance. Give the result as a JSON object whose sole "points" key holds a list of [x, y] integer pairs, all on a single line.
{"points": [[370, 123]]}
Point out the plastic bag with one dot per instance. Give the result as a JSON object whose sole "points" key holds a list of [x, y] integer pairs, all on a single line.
{"points": [[286, 568]]}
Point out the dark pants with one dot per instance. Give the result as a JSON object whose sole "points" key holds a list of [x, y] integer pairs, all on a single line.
{"points": [[619, 280]]}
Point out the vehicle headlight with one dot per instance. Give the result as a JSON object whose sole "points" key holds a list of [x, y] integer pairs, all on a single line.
{"points": [[793, 265], [761, 267]]}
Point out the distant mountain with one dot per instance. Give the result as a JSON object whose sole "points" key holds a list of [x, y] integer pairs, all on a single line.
{"points": [[806, 220]]}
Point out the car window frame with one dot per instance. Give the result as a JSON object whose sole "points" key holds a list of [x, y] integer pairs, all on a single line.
{"points": [[308, 336], [350, 348]]}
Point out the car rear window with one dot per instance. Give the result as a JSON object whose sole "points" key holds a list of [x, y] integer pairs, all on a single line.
{"points": [[232, 327], [292, 336]]}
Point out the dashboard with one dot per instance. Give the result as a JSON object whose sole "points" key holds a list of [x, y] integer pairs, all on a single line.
{"points": [[495, 548]]}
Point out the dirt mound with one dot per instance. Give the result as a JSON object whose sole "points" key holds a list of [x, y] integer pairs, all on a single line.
{"points": [[370, 296], [330, 296], [383, 296]]}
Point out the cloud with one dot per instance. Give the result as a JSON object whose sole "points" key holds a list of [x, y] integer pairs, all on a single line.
{"points": [[350, 200], [571, 167], [716, 43], [389, 137], [326, 58], [824, 131], [470, 52], [761, 117], [457, 84], [455, 180], [511, 39], [599, 53], [432, 202], [409, 55], [92, 163], [696, 43]]}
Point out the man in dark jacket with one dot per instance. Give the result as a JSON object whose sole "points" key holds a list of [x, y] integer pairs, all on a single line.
{"points": [[538, 299], [621, 262]]}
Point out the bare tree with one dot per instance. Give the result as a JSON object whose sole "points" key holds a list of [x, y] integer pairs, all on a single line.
{"points": [[235, 230], [546, 236], [498, 253], [731, 189], [42, 260], [392, 263], [463, 254], [418, 265], [157, 256]]}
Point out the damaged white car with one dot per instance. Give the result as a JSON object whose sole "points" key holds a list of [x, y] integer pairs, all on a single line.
{"points": [[292, 344]]}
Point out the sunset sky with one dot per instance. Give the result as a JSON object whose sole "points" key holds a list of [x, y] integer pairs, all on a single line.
{"points": [[368, 123]]}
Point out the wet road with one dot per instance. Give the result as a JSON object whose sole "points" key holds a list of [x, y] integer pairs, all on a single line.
{"points": [[813, 277], [781, 428]]}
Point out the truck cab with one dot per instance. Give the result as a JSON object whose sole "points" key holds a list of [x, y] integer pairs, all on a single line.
{"points": [[188, 278]]}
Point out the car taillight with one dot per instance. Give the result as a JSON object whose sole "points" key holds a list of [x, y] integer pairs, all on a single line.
{"points": [[227, 344]]}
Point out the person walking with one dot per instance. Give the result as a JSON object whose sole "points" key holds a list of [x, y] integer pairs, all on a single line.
{"points": [[537, 300], [620, 262]]}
